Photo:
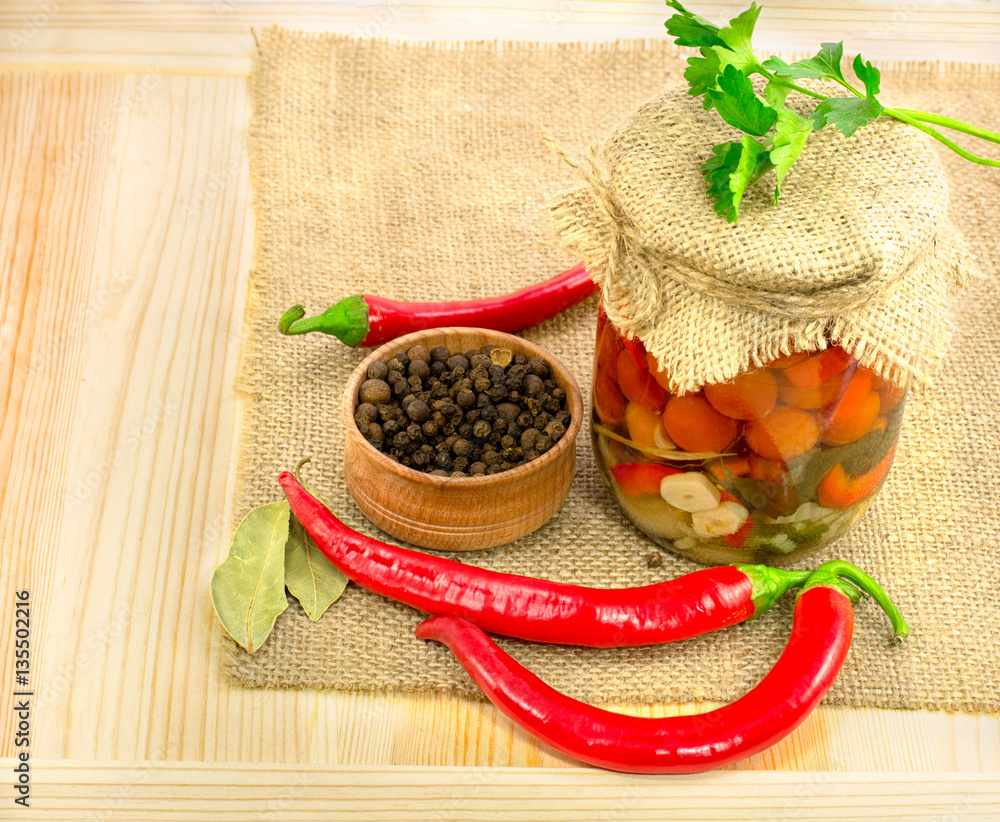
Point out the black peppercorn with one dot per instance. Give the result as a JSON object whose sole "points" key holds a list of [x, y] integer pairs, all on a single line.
{"points": [[555, 430], [537, 366], [529, 438], [378, 370], [460, 414], [508, 411], [418, 411], [498, 392], [365, 413], [533, 385], [419, 368]]}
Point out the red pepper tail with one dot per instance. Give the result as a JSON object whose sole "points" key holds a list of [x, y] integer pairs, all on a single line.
{"points": [[303, 504], [437, 628]]}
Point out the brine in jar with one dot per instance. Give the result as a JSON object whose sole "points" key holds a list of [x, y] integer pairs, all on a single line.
{"points": [[775, 463]]}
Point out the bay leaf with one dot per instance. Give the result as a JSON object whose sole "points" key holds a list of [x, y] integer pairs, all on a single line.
{"points": [[248, 588], [310, 577]]}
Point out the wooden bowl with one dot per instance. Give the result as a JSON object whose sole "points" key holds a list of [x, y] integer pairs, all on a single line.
{"points": [[460, 513]]}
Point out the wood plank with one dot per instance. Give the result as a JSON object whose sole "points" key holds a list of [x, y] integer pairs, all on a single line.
{"points": [[177, 791], [215, 37]]}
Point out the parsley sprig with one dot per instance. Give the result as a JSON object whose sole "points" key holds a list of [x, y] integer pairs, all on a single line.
{"points": [[775, 134]]}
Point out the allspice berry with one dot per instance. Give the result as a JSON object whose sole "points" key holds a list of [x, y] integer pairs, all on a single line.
{"points": [[418, 410], [461, 414], [378, 370], [375, 392], [419, 353], [365, 413]]}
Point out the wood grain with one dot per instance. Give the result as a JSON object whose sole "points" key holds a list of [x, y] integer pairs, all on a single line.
{"points": [[185, 36], [125, 232], [167, 791]]}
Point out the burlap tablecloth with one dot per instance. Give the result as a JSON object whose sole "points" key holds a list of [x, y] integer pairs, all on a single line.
{"points": [[418, 172]]}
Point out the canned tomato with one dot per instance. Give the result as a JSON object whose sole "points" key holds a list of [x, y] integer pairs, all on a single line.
{"points": [[775, 463]]}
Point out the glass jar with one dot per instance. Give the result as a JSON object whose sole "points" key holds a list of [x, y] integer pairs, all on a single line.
{"points": [[778, 462]]}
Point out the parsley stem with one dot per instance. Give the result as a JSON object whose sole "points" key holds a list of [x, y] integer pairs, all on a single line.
{"points": [[937, 135], [948, 122], [774, 78]]}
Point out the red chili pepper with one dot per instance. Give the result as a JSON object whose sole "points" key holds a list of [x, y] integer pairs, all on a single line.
{"points": [[366, 320], [542, 610], [821, 636]]}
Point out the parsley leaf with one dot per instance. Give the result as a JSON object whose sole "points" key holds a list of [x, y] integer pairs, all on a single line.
{"points": [[736, 37], [790, 136], [869, 75], [702, 74], [720, 75], [732, 168], [775, 94], [847, 114], [689, 29], [824, 66], [718, 168], [752, 163], [739, 106]]}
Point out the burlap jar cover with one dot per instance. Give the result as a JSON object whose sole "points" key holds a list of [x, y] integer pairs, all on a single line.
{"points": [[861, 252]]}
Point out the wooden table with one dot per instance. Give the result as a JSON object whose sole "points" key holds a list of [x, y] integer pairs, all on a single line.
{"points": [[126, 236]]}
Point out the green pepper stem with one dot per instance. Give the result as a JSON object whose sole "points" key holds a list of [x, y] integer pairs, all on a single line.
{"points": [[854, 575], [347, 321], [768, 584]]}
